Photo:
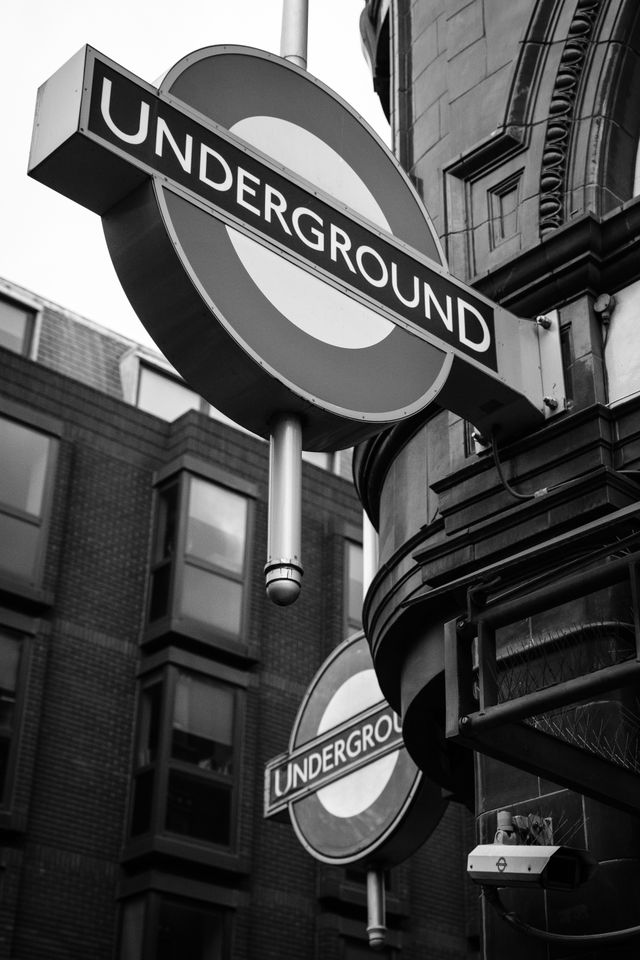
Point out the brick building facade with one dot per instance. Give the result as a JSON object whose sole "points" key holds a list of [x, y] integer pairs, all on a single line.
{"points": [[145, 679]]}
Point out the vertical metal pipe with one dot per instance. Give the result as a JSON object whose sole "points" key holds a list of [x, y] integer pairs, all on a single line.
{"points": [[376, 921], [293, 40], [283, 570]]}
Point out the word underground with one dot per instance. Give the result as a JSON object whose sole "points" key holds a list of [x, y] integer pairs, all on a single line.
{"points": [[158, 136], [339, 754]]}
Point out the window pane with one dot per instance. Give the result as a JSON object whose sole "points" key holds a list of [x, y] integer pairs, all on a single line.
{"points": [[190, 933], [203, 724], [23, 454], [164, 396], [149, 728], [324, 460], [18, 546], [166, 529], [199, 808], [9, 658], [142, 798], [216, 530], [5, 745], [508, 207], [132, 930], [354, 585], [160, 586], [211, 599], [15, 326]]}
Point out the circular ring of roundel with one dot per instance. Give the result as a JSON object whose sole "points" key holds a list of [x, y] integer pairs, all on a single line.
{"points": [[379, 813], [252, 332]]}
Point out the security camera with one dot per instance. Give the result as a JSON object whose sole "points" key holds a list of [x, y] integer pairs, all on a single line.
{"points": [[524, 865]]}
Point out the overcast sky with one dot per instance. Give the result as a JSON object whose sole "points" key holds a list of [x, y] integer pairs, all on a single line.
{"points": [[50, 244]]}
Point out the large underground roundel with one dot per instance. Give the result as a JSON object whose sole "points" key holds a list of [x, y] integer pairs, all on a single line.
{"points": [[251, 329]]}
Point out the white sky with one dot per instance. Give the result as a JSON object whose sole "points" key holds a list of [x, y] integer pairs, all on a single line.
{"points": [[50, 244]]}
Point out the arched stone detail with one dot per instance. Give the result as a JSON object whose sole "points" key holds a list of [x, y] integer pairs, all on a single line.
{"points": [[562, 107], [601, 169]]}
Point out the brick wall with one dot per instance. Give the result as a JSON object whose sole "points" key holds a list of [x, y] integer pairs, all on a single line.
{"points": [[62, 873]]}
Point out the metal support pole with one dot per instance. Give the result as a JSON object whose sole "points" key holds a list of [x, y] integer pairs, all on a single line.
{"points": [[283, 570], [293, 40], [376, 921]]}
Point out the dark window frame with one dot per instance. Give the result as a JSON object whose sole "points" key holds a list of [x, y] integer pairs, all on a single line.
{"points": [[346, 887], [352, 537], [33, 314], [154, 890], [350, 932], [351, 943], [52, 429], [568, 358], [496, 195], [20, 628], [171, 564], [164, 670], [163, 374]]}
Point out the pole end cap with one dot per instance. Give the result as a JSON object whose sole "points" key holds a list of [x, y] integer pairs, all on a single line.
{"points": [[283, 582], [377, 937]]}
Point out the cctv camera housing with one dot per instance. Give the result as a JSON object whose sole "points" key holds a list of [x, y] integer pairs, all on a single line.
{"points": [[554, 868]]}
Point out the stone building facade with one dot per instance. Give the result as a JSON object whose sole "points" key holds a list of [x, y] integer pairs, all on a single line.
{"points": [[504, 616]]}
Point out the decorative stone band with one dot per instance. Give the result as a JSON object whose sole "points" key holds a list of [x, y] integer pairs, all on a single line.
{"points": [[561, 116]]}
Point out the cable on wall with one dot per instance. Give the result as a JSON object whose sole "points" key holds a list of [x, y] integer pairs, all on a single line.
{"points": [[505, 483]]}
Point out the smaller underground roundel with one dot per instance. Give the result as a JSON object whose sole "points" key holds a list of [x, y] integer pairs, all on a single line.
{"points": [[351, 789]]}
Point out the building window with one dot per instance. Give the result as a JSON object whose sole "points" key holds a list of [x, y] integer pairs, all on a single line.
{"points": [[566, 352], [353, 586], [166, 396], [326, 461], [187, 765], [200, 555], [150, 383], [338, 463], [17, 324], [27, 461], [503, 210], [161, 927], [10, 649]]}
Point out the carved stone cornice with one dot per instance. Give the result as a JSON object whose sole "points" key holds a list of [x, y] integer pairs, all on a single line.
{"points": [[587, 255]]}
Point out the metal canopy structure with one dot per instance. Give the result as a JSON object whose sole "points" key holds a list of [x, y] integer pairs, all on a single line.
{"points": [[532, 697]]}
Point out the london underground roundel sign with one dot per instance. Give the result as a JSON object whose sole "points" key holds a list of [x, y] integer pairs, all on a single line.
{"points": [[271, 244], [351, 789]]}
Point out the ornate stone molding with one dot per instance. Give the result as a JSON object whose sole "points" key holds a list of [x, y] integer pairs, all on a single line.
{"points": [[562, 115]]}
